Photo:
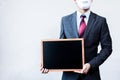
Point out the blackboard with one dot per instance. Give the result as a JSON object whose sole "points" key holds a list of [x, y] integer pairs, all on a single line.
{"points": [[63, 54]]}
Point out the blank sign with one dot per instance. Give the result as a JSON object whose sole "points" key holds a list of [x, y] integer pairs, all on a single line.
{"points": [[63, 54]]}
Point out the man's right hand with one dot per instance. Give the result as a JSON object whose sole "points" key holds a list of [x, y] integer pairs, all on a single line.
{"points": [[43, 70]]}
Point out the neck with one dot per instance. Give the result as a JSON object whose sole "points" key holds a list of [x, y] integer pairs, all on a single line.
{"points": [[83, 10]]}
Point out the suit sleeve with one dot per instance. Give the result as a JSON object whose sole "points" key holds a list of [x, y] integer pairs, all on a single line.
{"points": [[106, 46], [62, 35]]}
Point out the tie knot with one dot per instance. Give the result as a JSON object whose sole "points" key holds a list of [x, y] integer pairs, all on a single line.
{"points": [[82, 16]]}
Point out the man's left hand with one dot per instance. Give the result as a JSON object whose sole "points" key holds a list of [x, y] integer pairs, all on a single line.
{"points": [[85, 70]]}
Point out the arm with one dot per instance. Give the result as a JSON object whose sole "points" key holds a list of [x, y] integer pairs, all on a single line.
{"points": [[106, 46]]}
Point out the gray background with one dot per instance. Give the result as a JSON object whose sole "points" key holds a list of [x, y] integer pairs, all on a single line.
{"points": [[23, 23]]}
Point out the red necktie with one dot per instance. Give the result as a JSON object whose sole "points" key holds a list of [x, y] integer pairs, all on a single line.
{"points": [[82, 26]]}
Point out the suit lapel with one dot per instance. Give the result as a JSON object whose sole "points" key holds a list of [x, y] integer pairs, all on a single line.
{"points": [[88, 28], [74, 24], [90, 24]]}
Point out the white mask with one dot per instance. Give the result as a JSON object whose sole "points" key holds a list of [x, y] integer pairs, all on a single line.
{"points": [[84, 4]]}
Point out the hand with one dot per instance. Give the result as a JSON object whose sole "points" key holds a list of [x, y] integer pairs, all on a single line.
{"points": [[43, 70], [85, 70]]}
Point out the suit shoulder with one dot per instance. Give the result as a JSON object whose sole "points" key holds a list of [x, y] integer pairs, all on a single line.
{"points": [[99, 17], [69, 16]]}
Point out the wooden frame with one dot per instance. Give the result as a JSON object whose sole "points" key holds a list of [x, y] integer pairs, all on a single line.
{"points": [[62, 54]]}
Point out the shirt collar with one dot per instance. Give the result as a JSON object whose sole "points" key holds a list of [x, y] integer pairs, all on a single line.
{"points": [[87, 14]]}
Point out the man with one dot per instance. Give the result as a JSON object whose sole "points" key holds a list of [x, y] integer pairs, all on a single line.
{"points": [[94, 29]]}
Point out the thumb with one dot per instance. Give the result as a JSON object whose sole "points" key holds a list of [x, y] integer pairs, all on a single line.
{"points": [[84, 68]]}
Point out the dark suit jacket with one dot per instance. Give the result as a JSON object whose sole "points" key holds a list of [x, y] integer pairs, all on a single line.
{"points": [[96, 33]]}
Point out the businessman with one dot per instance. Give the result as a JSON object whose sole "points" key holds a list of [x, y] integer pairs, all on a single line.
{"points": [[83, 23]]}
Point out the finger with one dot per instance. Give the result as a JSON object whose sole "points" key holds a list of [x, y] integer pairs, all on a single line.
{"points": [[81, 71], [77, 71], [84, 69], [41, 67], [46, 70], [42, 70]]}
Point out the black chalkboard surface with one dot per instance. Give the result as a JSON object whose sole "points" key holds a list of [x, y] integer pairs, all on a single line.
{"points": [[63, 54]]}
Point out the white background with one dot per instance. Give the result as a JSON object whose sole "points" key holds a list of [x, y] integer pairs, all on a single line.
{"points": [[23, 23]]}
